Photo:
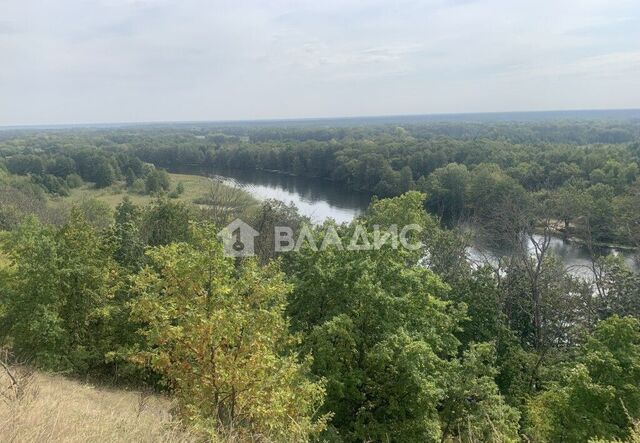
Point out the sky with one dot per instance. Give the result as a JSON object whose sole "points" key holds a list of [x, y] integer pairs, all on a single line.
{"points": [[101, 61]]}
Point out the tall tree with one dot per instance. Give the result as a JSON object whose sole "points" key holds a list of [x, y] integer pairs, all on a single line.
{"points": [[219, 337]]}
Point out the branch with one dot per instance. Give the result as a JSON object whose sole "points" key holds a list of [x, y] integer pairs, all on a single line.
{"points": [[14, 382]]}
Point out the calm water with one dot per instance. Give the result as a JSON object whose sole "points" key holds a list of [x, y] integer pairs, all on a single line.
{"points": [[315, 198], [575, 256], [321, 199]]}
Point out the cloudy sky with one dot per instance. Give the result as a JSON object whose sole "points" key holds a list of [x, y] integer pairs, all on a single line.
{"points": [[85, 61]]}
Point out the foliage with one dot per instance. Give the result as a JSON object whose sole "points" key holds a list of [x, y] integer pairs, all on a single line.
{"points": [[385, 341], [157, 180], [407, 345], [128, 243], [618, 288], [56, 295], [461, 166], [474, 407], [599, 395], [220, 338], [164, 222]]}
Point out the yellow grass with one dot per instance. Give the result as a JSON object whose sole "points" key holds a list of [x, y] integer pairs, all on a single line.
{"points": [[55, 409]]}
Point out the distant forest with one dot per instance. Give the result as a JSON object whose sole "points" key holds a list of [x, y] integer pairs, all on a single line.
{"points": [[582, 174]]}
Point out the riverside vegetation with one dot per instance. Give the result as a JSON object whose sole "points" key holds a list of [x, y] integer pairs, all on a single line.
{"points": [[331, 345]]}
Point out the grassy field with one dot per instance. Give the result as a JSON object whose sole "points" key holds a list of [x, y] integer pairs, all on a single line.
{"points": [[45, 408], [195, 186]]}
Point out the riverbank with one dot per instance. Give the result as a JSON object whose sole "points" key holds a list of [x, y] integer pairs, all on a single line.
{"points": [[195, 186], [574, 239], [322, 200], [315, 198], [276, 181], [197, 190]]}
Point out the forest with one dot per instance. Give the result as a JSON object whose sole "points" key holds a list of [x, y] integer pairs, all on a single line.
{"points": [[580, 174], [387, 345]]}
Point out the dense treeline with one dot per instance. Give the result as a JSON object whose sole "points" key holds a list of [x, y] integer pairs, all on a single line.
{"points": [[460, 176], [385, 344], [58, 165], [584, 173]]}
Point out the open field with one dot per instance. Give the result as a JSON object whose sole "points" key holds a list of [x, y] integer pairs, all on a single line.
{"points": [[52, 408], [195, 186]]}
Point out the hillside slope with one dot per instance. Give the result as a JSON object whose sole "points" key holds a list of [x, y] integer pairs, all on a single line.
{"points": [[47, 408]]}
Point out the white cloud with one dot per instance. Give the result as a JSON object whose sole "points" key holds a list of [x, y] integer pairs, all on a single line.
{"points": [[134, 60], [611, 66]]}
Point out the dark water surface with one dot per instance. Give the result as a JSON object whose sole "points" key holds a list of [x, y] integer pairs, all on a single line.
{"points": [[317, 199], [322, 199]]}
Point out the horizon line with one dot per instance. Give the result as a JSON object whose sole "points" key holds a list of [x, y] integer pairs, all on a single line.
{"points": [[305, 119]]}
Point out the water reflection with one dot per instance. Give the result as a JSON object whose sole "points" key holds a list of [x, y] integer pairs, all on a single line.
{"points": [[575, 256], [315, 198], [321, 199]]}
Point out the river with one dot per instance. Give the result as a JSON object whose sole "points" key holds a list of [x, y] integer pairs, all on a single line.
{"points": [[315, 198], [321, 199]]}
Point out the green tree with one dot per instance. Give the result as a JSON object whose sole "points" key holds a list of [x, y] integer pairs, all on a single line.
{"points": [[499, 204], [97, 212], [103, 173], [156, 181], [129, 245], [617, 288], [626, 214], [406, 179], [25, 164], [57, 293], [219, 337], [164, 222], [130, 177], [61, 166], [473, 409], [380, 333], [599, 217], [599, 395], [446, 189], [569, 203]]}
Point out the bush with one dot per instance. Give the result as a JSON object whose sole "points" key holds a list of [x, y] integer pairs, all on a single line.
{"points": [[138, 186], [74, 181], [157, 181], [54, 300]]}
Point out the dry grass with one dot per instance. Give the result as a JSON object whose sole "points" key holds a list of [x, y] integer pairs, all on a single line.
{"points": [[45, 408]]}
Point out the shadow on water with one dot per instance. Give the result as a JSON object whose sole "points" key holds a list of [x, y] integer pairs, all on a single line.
{"points": [[321, 199], [316, 198]]}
